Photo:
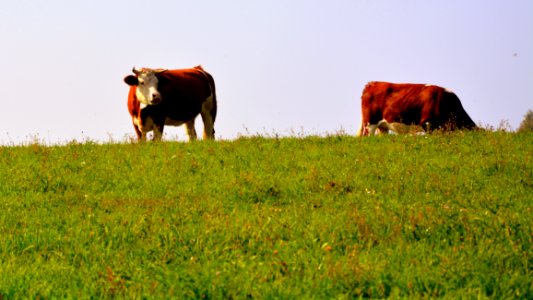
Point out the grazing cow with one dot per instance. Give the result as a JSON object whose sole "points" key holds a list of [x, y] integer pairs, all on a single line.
{"points": [[160, 97], [429, 106]]}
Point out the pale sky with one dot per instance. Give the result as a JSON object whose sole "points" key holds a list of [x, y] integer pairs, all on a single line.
{"points": [[280, 67]]}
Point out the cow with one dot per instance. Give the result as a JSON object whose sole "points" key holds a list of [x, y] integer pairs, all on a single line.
{"points": [[429, 106], [159, 97]]}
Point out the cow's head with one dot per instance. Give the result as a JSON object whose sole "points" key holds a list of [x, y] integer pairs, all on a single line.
{"points": [[146, 82]]}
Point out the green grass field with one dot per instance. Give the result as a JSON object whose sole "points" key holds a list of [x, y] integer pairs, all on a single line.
{"points": [[444, 215]]}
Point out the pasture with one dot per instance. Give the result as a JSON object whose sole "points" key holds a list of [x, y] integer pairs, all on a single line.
{"points": [[443, 215]]}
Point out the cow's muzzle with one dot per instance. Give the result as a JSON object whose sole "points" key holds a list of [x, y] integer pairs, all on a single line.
{"points": [[156, 99]]}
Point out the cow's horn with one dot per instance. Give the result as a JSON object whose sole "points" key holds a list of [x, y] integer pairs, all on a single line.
{"points": [[135, 71]]}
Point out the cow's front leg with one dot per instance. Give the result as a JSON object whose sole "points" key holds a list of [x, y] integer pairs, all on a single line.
{"points": [[191, 131], [372, 129], [141, 137], [158, 132]]}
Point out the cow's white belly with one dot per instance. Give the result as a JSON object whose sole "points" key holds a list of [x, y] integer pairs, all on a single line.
{"points": [[172, 122], [149, 125]]}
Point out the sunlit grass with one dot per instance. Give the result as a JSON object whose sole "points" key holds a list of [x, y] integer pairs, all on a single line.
{"points": [[308, 217]]}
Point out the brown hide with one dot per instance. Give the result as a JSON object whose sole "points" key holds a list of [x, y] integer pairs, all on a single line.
{"points": [[429, 106], [184, 93]]}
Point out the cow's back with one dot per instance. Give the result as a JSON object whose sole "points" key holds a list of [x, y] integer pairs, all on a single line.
{"points": [[419, 104], [402, 103], [183, 92]]}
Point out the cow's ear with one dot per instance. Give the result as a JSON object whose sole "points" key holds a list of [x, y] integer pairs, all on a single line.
{"points": [[131, 80]]}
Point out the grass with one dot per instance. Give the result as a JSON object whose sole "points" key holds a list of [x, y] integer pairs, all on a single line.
{"points": [[444, 215]]}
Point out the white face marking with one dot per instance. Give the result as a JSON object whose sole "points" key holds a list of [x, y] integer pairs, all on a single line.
{"points": [[399, 128], [147, 92], [384, 127]]}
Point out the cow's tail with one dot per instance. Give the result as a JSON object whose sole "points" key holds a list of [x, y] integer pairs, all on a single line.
{"points": [[211, 82]]}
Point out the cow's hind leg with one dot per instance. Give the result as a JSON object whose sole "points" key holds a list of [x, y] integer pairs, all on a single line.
{"points": [[208, 117], [191, 131]]}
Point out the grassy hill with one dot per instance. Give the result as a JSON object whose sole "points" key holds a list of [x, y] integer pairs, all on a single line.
{"points": [[392, 216]]}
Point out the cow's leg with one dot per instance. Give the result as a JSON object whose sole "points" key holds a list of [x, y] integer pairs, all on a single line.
{"points": [[141, 137], [191, 131], [361, 130], [158, 132], [372, 129], [208, 117], [137, 125]]}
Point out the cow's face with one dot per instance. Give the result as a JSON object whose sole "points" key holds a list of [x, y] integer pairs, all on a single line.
{"points": [[146, 82]]}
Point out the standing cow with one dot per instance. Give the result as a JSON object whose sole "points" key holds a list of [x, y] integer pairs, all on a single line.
{"points": [[428, 106], [160, 97]]}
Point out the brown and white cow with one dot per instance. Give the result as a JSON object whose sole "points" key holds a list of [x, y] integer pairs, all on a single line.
{"points": [[160, 97], [428, 106]]}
